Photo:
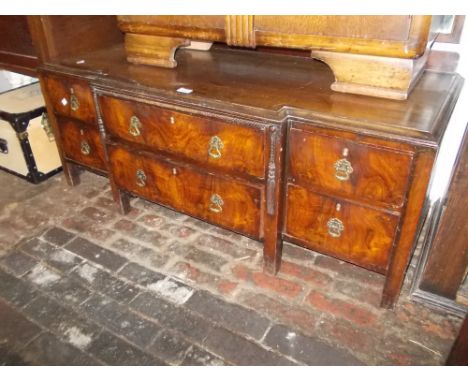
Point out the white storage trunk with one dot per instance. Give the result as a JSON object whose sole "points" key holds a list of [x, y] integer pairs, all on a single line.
{"points": [[27, 145]]}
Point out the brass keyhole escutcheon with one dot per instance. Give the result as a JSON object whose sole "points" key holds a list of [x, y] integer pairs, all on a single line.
{"points": [[343, 169], [215, 147], [74, 103], [216, 204], [335, 227], [85, 148], [140, 178], [134, 127]]}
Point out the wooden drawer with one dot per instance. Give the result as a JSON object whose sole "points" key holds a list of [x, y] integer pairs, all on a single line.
{"points": [[231, 204], [81, 143], [70, 98], [357, 234], [205, 140], [348, 169]]}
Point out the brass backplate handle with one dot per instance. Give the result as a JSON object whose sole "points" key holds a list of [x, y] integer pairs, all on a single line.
{"points": [[45, 124], [134, 127], [74, 103], [140, 178], [343, 169], [216, 204], [215, 147], [85, 148], [335, 227]]}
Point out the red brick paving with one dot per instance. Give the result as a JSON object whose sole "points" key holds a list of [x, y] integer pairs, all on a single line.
{"points": [[314, 294]]}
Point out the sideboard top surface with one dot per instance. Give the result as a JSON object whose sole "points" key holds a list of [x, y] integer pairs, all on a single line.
{"points": [[271, 86]]}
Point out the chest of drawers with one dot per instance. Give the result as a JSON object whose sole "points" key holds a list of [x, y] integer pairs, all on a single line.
{"points": [[72, 112], [260, 146]]}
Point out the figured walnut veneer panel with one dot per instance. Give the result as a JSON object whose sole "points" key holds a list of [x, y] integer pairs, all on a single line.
{"points": [[188, 135], [366, 239], [189, 190], [61, 90], [76, 134], [378, 175]]}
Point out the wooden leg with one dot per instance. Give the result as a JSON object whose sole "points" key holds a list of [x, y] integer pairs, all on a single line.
{"points": [[153, 50], [122, 199], [273, 246], [273, 242], [72, 173], [385, 77], [459, 353]]}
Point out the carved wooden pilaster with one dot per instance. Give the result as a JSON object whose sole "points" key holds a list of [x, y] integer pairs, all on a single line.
{"points": [[271, 174], [274, 195], [120, 197], [240, 31]]}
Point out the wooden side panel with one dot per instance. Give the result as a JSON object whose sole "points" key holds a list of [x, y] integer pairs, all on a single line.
{"points": [[61, 91], [187, 190], [366, 237], [378, 175], [448, 258], [208, 141], [57, 37], [410, 221], [17, 51], [15, 36], [76, 138]]}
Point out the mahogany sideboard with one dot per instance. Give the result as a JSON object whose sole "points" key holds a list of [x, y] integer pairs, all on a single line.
{"points": [[257, 143]]}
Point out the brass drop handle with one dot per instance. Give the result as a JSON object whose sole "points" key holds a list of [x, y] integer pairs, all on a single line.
{"points": [[343, 169], [216, 204], [45, 124], [134, 127], [140, 178], [335, 227], [215, 147], [74, 103], [85, 148]]}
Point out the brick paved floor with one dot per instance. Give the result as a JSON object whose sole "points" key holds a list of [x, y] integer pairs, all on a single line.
{"points": [[82, 285]]}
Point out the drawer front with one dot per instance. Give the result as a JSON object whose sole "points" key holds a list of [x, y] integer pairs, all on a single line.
{"points": [[71, 98], [348, 169], [230, 204], [81, 143], [205, 140], [360, 235]]}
